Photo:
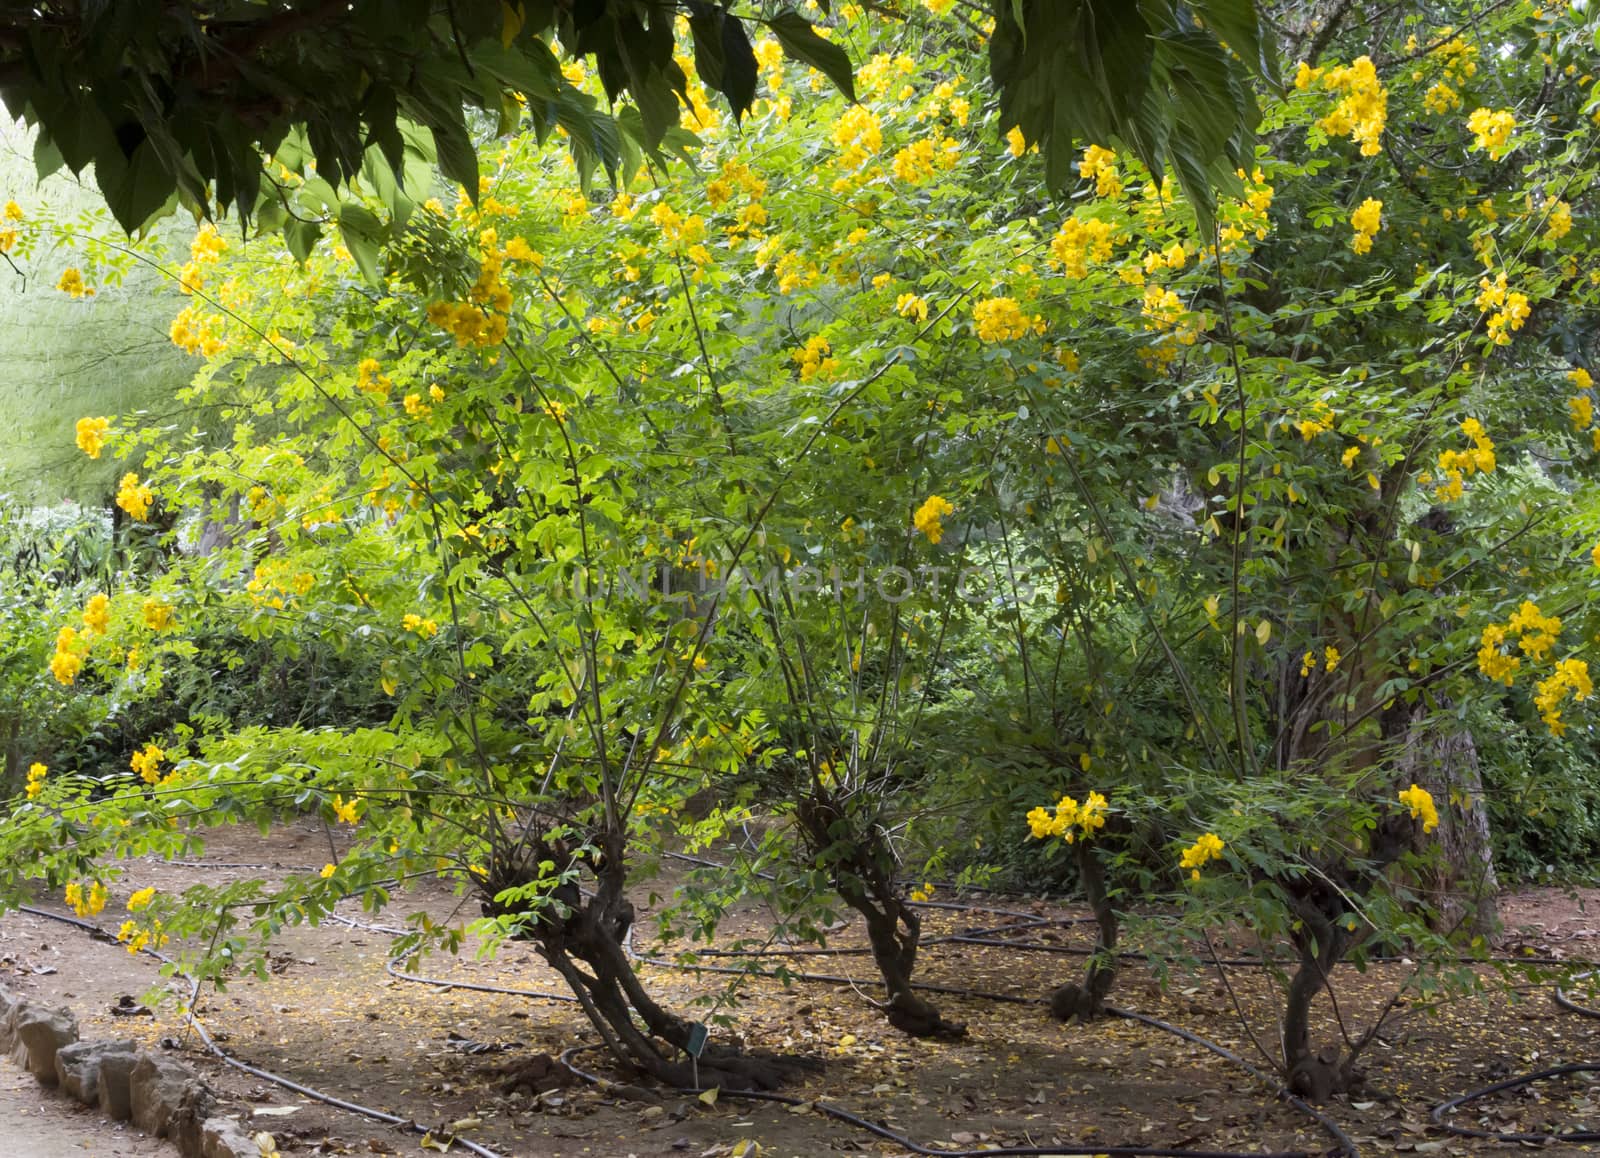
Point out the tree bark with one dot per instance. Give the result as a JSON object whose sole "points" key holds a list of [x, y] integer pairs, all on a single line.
{"points": [[1440, 756], [1088, 1000], [862, 869]]}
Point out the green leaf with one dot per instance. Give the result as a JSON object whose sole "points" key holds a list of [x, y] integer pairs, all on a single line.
{"points": [[800, 42], [301, 237], [363, 235]]}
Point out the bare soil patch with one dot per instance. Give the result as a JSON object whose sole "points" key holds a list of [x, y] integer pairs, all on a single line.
{"points": [[331, 1017]]}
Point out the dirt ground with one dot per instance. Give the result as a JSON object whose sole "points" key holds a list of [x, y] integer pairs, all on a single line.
{"points": [[331, 1017]]}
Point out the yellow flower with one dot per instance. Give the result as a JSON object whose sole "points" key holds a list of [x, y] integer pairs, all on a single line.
{"points": [[1363, 107], [327, 871], [141, 899], [1420, 802], [1366, 221], [928, 516], [1559, 223], [911, 306], [13, 211], [1100, 165], [344, 811], [1016, 143], [67, 661], [97, 615], [1002, 319], [157, 614], [1491, 130], [133, 498], [1208, 848], [1580, 379], [92, 435], [1581, 408], [36, 775], [423, 627], [147, 763], [72, 283], [86, 904]]}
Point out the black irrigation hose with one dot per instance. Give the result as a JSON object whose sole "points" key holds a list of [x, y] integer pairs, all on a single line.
{"points": [[1517, 1083], [1443, 1108], [899, 1139], [228, 1059], [1347, 1145]]}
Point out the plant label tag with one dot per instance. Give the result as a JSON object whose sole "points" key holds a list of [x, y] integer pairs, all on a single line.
{"points": [[696, 1045]]}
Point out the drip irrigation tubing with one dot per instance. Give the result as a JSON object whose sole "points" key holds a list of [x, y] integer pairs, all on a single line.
{"points": [[1347, 1146], [265, 1075], [1516, 1083]]}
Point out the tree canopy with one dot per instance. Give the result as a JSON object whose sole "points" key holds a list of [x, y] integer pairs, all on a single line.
{"points": [[207, 102]]}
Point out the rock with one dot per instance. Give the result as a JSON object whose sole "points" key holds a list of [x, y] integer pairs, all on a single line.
{"points": [[40, 1033], [226, 1138], [116, 1074], [168, 1102], [78, 1067], [8, 1008]]}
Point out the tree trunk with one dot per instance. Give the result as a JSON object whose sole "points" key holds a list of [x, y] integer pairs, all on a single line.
{"points": [[588, 948], [862, 869], [1440, 756], [1087, 1001]]}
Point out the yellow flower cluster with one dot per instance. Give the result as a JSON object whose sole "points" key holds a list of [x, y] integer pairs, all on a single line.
{"points": [[483, 319], [1454, 465], [134, 498], [36, 775], [1078, 242], [1208, 848], [8, 236], [1002, 319], [1420, 802], [1580, 405], [206, 249], [72, 283], [272, 584], [858, 135], [157, 614], [928, 518], [1363, 107], [1070, 818], [196, 333], [1330, 660], [138, 939], [413, 622], [912, 306], [147, 763], [97, 613], [1536, 634], [1164, 314], [1366, 221], [1558, 222], [920, 160], [1441, 99], [1507, 309], [344, 811], [814, 359], [141, 899], [91, 435], [67, 661], [370, 379], [1319, 420], [1571, 675], [1491, 130], [1100, 166], [86, 903]]}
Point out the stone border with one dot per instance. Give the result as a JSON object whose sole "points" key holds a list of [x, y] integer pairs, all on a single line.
{"points": [[127, 1082]]}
